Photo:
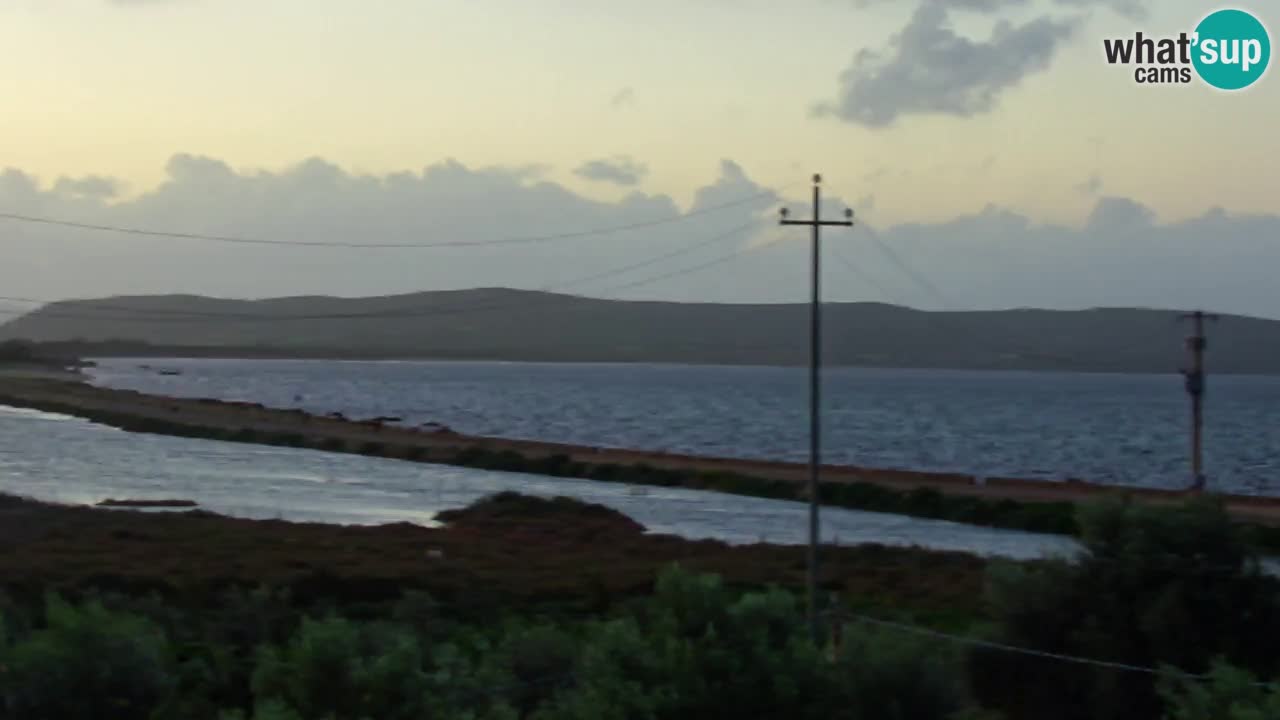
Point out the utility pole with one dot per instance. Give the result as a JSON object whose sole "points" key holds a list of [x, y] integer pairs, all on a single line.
{"points": [[1196, 344], [815, 365]]}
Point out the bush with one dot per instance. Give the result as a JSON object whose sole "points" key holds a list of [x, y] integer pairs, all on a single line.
{"points": [[1157, 586], [330, 669], [885, 676], [698, 650], [1229, 694], [86, 663]]}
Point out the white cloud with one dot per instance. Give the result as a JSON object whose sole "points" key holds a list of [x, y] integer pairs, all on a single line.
{"points": [[620, 170], [1121, 254]]}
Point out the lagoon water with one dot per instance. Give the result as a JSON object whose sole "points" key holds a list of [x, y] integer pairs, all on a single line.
{"points": [[1124, 429], [1111, 428], [64, 459]]}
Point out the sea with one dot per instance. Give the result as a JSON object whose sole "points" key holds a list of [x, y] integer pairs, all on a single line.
{"points": [[1108, 428], [1121, 429]]}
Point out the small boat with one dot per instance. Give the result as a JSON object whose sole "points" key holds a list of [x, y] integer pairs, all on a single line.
{"points": [[170, 372]]}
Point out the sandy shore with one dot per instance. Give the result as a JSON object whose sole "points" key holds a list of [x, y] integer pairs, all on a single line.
{"points": [[246, 422]]}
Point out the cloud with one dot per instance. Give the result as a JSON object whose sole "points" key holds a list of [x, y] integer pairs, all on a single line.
{"points": [[1120, 254], [318, 201], [929, 69], [975, 5], [620, 170], [623, 98], [1132, 9], [1119, 213], [1091, 186]]}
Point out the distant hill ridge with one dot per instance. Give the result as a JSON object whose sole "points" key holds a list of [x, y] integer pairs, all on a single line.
{"points": [[506, 324]]}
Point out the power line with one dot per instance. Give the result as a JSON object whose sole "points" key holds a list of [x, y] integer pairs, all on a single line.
{"points": [[1028, 652], [916, 277], [923, 281], [862, 275], [605, 230], [695, 268], [179, 316]]}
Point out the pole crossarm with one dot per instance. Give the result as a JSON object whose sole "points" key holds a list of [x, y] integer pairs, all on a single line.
{"points": [[815, 364]]}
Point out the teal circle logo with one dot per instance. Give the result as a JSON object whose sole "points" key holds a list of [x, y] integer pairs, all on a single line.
{"points": [[1232, 49]]}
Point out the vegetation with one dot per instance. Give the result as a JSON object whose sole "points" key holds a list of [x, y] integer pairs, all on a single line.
{"points": [[17, 351], [1170, 589], [1044, 517], [1177, 587], [1175, 595], [1229, 694], [536, 326], [694, 649]]}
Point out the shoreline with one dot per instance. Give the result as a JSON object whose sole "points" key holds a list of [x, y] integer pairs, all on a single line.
{"points": [[845, 486]]}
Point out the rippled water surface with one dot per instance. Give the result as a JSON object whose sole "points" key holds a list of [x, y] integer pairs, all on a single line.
{"points": [[1129, 429], [54, 457]]}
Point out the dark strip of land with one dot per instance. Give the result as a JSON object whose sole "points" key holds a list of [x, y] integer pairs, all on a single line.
{"points": [[999, 502]]}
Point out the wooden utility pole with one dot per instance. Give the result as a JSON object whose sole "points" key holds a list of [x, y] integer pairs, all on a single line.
{"points": [[1196, 344], [815, 365]]}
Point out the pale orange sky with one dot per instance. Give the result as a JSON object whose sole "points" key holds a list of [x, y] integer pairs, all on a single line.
{"points": [[117, 88]]}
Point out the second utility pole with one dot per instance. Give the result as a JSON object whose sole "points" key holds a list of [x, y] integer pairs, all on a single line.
{"points": [[1195, 388], [815, 364]]}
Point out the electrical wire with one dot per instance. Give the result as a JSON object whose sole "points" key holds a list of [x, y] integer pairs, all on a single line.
{"points": [[923, 282], [416, 311], [1028, 652], [605, 230]]}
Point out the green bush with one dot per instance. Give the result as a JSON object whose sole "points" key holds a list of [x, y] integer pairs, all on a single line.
{"points": [[1229, 694], [883, 675], [87, 663], [1157, 586], [333, 669]]}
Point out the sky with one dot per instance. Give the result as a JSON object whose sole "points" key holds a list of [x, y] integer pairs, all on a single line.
{"points": [[993, 157]]}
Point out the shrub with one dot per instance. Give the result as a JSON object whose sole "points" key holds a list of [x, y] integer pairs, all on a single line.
{"points": [[1230, 694], [1157, 586], [86, 663], [330, 669]]}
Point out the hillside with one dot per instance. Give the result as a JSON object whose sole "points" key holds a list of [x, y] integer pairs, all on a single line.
{"points": [[505, 324]]}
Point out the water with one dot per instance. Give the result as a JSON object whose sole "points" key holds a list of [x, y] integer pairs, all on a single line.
{"points": [[1121, 429], [54, 457]]}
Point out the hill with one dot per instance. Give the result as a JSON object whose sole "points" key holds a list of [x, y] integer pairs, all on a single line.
{"points": [[516, 325]]}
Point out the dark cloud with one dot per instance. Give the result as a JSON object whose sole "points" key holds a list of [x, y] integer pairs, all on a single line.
{"points": [[620, 170], [929, 69]]}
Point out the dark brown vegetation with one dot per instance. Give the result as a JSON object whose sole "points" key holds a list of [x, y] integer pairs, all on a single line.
{"points": [[510, 550], [552, 608], [113, 503]]}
